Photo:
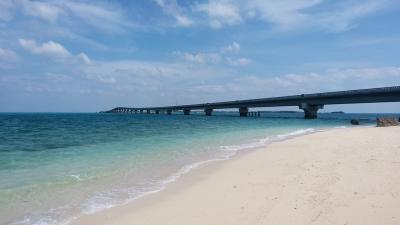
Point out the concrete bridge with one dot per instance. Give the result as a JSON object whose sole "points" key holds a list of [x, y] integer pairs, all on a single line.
{"points": [[310, 103]]}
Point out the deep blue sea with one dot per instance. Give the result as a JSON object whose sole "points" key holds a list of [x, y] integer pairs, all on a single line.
{"points": [[57, 166]]}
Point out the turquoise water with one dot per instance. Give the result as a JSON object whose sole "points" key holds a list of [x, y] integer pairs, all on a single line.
{"points": [[55, 167]]}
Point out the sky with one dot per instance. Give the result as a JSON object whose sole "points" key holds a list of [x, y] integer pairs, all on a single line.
{"points": [[87, 56]]}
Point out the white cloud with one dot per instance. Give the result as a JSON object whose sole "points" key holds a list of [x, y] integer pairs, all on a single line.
{"points": [[239, 61], [163, 83], [101, 15], [8, 55], [330, 80], [84, 58], [345, 17], [199, 57], [43, 10], [291, 14], [51, 49], [153, 75], [284, 13], [220, 13], [106, 17], [183, 20], [171, 7], [223, 56], [233, 48]]}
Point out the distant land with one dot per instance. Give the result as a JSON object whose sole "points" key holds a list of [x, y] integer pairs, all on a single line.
{"points": [[337, 112]]}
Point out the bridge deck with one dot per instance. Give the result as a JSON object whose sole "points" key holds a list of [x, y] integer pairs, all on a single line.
{"points": [[306, 102]]}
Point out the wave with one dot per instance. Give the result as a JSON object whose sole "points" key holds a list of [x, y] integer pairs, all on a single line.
{"points": [[101, 201], [105, 200]]}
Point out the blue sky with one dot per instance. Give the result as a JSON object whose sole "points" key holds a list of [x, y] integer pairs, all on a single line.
{"points": [[73, 56]]}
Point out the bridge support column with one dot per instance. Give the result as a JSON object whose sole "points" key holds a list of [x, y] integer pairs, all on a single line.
{"points": [[169, 111], [243, 111], [186, 112], [148, 111], [157, 111], [141, 111], [310, 111], [208, 112]]}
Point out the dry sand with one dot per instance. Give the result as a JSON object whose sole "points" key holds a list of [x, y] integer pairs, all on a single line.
{"points": [[344, 176]]}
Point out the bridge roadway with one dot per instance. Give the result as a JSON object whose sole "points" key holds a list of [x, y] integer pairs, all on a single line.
{"points": [[310, 103]]}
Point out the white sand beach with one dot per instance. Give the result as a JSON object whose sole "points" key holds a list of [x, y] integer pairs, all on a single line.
{"points": [[342, 177]]}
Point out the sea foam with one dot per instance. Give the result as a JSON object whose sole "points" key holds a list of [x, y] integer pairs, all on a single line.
{"points": [[105, 200]]}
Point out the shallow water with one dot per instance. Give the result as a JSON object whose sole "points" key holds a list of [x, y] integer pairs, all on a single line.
{"points": [[54, 167]]}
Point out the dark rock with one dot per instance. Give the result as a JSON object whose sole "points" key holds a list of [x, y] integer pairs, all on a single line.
{"points": [[355, 122], [386, 122]]}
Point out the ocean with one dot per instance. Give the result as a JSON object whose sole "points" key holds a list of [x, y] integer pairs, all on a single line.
{"points": [[55, 167]]}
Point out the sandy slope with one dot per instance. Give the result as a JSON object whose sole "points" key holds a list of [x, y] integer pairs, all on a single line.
{"points": [[343, 176]]}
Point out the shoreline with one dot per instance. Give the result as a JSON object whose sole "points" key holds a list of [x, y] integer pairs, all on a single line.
{"points": [[183, 195], [232, 151], [187, 170]]}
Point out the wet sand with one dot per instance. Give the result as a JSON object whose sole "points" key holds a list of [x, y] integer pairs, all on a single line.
{"points": [[341, 176]]}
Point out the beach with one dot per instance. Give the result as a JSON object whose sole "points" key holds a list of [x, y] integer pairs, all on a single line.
{"points": [[199, 112], [340, 176]]}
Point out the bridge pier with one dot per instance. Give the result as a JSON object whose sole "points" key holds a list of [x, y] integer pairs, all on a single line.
{"points": [[310, 111], [186, 112], [243, 111], [148, 111], [157, 111], [208, 112], [169, 111]]}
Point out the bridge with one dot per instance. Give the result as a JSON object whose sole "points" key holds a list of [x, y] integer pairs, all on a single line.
{"points": [[310, 103]]}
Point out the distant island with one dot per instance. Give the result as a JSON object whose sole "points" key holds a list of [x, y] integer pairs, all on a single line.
{"points": [[337, 112]]}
